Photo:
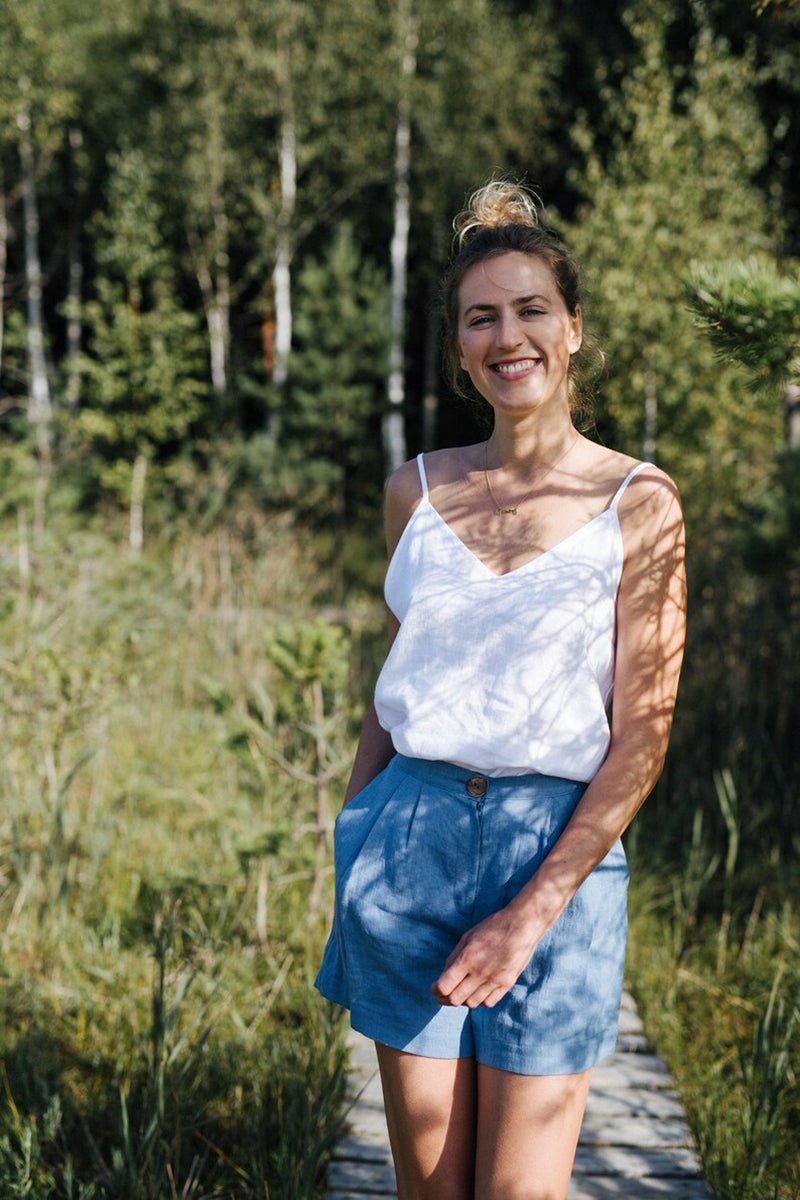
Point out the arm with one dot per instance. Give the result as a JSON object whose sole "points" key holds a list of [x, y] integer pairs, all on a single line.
{"points": [[651, 610], [375, 747]]}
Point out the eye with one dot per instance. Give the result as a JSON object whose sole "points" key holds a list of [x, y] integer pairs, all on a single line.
{"points": [[531, 311], [476, 321]]}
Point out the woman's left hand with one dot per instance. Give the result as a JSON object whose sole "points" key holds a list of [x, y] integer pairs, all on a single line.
{"points": [[487, 961]]}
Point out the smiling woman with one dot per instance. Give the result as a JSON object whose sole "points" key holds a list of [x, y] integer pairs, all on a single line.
{"points": [[479, 927], [515, 335]]}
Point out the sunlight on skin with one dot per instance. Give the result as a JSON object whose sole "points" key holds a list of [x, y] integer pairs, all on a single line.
{"points": [[522, 1136]]}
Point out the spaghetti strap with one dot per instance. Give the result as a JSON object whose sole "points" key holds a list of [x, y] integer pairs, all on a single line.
{"points": [[422, 476], [617, 495]]}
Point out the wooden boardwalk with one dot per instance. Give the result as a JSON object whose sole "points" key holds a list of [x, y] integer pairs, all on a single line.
{"points": [[635, 1141]]}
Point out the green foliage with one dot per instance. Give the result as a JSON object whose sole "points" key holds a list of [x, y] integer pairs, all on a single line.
{"points": [[158, 1032], [751, 312], [730, 1031], [143, 369], [337, 373], [175, 729], [671, 185]]}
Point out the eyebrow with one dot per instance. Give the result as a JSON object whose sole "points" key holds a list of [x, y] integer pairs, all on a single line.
{"points": [[517, 300]]}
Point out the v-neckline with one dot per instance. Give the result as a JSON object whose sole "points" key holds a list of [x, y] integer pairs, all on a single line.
{"points": [[531, 562]]}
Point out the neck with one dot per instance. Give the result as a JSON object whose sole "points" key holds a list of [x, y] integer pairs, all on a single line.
{"points": [[529, 445]]}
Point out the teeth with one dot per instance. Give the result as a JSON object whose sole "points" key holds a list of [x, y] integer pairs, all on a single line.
{"points": [[515, 368]]}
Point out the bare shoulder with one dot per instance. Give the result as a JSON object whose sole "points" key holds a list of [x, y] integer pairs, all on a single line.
{"points": [[650, 498], [403, 494], [653, 534], [649, 491]]}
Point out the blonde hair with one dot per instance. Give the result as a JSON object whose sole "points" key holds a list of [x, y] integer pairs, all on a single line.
{"points": [[497, 203]]}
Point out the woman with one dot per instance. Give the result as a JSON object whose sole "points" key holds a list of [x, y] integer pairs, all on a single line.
{"points": [[479, 928]]}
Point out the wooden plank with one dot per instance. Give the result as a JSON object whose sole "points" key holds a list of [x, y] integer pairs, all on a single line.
{"points": [[633, 1043], [593, 1187], [632, 1071], [635, 1131], [356, 1195], [362, 1149], [631, 1162], [658, 1105], [358, 1177]]}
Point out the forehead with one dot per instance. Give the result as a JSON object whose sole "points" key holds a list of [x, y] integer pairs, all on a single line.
{"points": [[500, 278]]}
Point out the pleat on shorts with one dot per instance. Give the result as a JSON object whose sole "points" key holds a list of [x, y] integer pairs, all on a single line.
{"points": [[420, 858]]}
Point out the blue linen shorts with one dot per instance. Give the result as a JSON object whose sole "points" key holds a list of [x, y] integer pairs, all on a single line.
{"points": [[426, 851]]}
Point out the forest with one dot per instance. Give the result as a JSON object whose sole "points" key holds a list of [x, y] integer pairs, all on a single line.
{"points": [[222, 230]]}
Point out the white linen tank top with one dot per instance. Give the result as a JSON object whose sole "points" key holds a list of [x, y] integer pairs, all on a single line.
{"points": [[503, 674]]}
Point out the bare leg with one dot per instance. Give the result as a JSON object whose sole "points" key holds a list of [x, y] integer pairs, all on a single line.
{"points": [[528, 1127], [430, 1110]]}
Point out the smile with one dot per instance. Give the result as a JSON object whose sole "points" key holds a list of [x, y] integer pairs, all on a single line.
{"points": [[508, 370]]}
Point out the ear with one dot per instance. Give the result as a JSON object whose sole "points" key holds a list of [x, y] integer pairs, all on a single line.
{"points": [[575, 338], [461, 362]]}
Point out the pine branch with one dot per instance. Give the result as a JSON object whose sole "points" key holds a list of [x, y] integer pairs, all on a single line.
{"points": [[751, 314]]}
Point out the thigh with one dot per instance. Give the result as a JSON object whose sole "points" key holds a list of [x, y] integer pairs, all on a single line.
{"points": [[527, 1132], [430, 1111]]}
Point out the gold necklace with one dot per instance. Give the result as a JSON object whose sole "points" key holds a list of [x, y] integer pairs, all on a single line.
{"points": [[502, 510]]}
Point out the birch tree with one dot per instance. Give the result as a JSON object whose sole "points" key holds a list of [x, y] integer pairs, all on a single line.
{"points": [[40, 408], [198, 148], [317, 118], [393, 424]]}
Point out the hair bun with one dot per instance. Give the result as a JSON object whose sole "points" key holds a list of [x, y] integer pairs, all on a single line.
{"points": [[495, 204]]}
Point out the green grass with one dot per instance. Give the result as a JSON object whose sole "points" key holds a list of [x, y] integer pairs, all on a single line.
{"points": [[176, 731], [727, 1024], [160, 1035]]}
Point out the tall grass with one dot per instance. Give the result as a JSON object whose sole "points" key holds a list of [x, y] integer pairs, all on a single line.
{"points": [[719, 987], [161, 835]]}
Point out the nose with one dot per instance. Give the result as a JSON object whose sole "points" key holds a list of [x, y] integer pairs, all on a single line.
{"points": [[507, 331]]}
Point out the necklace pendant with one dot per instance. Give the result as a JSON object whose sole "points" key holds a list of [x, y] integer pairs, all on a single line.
{"points": [[499, 512]]}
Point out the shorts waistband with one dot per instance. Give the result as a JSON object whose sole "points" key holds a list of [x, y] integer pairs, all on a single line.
{"points": [[446, 772]]}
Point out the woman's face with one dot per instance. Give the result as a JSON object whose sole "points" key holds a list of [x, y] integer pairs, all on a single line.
{"points": [[515, 334]]}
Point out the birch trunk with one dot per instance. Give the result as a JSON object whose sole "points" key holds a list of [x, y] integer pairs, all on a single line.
{"points": [[282, 273], [74, 291], [650, 439], [792, 396], [136, 527], [394, 438], [40, 409], [216, 292]]}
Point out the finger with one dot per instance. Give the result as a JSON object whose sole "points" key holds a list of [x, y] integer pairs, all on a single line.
{"points": [[494, 997], [480, 995], [469, 987], [450, 978]]}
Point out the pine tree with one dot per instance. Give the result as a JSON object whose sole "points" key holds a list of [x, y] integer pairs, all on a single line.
{"points": [[332, 452], [144, 366]]}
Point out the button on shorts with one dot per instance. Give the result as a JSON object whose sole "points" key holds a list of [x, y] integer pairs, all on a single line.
{"points": [[422, 854]]}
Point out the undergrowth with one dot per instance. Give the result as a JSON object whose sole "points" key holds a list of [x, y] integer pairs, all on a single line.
{"points": [[165, 795], [715, 970]]}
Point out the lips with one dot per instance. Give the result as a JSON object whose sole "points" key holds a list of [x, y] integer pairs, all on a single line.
{"points": [[519, 366]]}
